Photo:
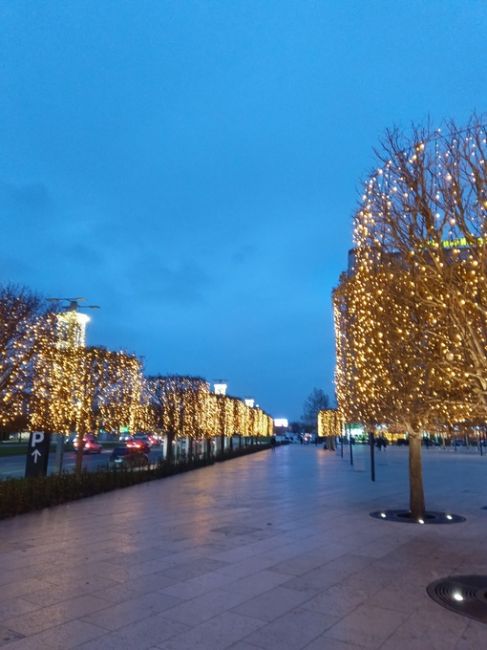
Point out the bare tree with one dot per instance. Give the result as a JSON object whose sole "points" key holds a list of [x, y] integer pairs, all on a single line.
{"points": [[316, 401]]}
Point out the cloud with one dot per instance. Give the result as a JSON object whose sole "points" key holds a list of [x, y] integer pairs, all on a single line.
{"points": [[181, 284], [243, 254], [28, 198], [84, 255]]}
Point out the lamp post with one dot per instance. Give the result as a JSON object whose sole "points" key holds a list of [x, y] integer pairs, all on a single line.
{"points": [[220, 388], [71, 335]]}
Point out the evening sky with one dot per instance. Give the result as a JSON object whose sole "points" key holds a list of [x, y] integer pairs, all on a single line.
{"points": [[193, 166]]}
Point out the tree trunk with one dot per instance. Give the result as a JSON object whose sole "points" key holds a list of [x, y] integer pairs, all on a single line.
{"points": [[79, 452], [416, 491], [59, 453], [170, 450]]}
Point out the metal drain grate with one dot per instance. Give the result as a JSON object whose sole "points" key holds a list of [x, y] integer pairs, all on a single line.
{"points": [[430, 517], [465, 595]]}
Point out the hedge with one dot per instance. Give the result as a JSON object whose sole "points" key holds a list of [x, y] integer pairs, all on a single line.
{"points": [[21, 495]]}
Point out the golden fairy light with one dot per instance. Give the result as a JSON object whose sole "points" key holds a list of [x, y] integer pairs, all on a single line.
{"points": [[411, 312], [330, 423]]}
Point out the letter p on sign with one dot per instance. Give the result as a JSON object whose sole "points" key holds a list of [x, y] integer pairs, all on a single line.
{"points": [[37, 438]]}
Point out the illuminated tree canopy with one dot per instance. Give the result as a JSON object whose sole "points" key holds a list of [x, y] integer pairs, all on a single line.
{"points": [[411, 312], [58, 385]]}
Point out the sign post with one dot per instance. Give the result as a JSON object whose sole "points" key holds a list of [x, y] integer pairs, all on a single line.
{"points": [[372, 455], [37, 454]]}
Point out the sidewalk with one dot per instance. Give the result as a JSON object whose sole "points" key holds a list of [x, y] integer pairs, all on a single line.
{"points": [[273, 551]]}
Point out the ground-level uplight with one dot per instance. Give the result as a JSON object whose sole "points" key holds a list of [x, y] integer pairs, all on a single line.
{"points": [[420, 521], [456, 595], [383, 515]]}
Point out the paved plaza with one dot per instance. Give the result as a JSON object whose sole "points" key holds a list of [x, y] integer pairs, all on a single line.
{"points": [[273, 551]]}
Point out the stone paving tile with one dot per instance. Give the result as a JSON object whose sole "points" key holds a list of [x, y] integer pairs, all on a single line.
{"points": [[27, 643], [54, 615], [473, 637], [216, 634], [256, 584], [67, 635], [152, 582], [137, 636], [198, 586], [272, 604], [131, 611], [194, 568], [338, 600], [15, 607], [247, 567], [401, 596], [367, 626], [85, 584], [325, 643], [293, 631], [7, 635], [431, 626], [19, 587], [291, 522], [198, 610], [54, 594], [329, 574], [301, 564]]}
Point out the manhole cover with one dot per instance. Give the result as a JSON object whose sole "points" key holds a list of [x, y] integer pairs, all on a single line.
{"points": [[430, 517], [466, 595]]}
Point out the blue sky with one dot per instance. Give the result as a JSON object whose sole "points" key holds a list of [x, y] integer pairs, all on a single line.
{"points": [[193, 167]]}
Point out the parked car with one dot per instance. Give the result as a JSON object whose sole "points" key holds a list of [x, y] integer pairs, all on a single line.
{"points": [[140, 441], [125, 437], [90, 444], [127, 458]]}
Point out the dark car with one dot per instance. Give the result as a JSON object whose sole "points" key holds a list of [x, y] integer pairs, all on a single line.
{"points": [[127, 458], [90, 444], [140, 441]]}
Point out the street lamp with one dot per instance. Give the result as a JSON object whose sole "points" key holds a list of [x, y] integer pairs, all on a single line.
{"points": [[220, 388], [71, 336]]}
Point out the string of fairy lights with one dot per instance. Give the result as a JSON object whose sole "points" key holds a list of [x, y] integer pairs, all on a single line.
{"points": [[185, 407], [330, 423], [411, 313], [64, 387]]}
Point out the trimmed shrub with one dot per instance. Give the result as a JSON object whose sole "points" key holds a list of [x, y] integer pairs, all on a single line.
{"points": [[20, 495]]}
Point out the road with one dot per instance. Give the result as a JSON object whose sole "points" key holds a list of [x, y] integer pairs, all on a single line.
{"points": [[14, 466]]}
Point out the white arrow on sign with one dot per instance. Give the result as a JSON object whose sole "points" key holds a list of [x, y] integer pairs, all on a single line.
{"points": [[37, 454]]}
